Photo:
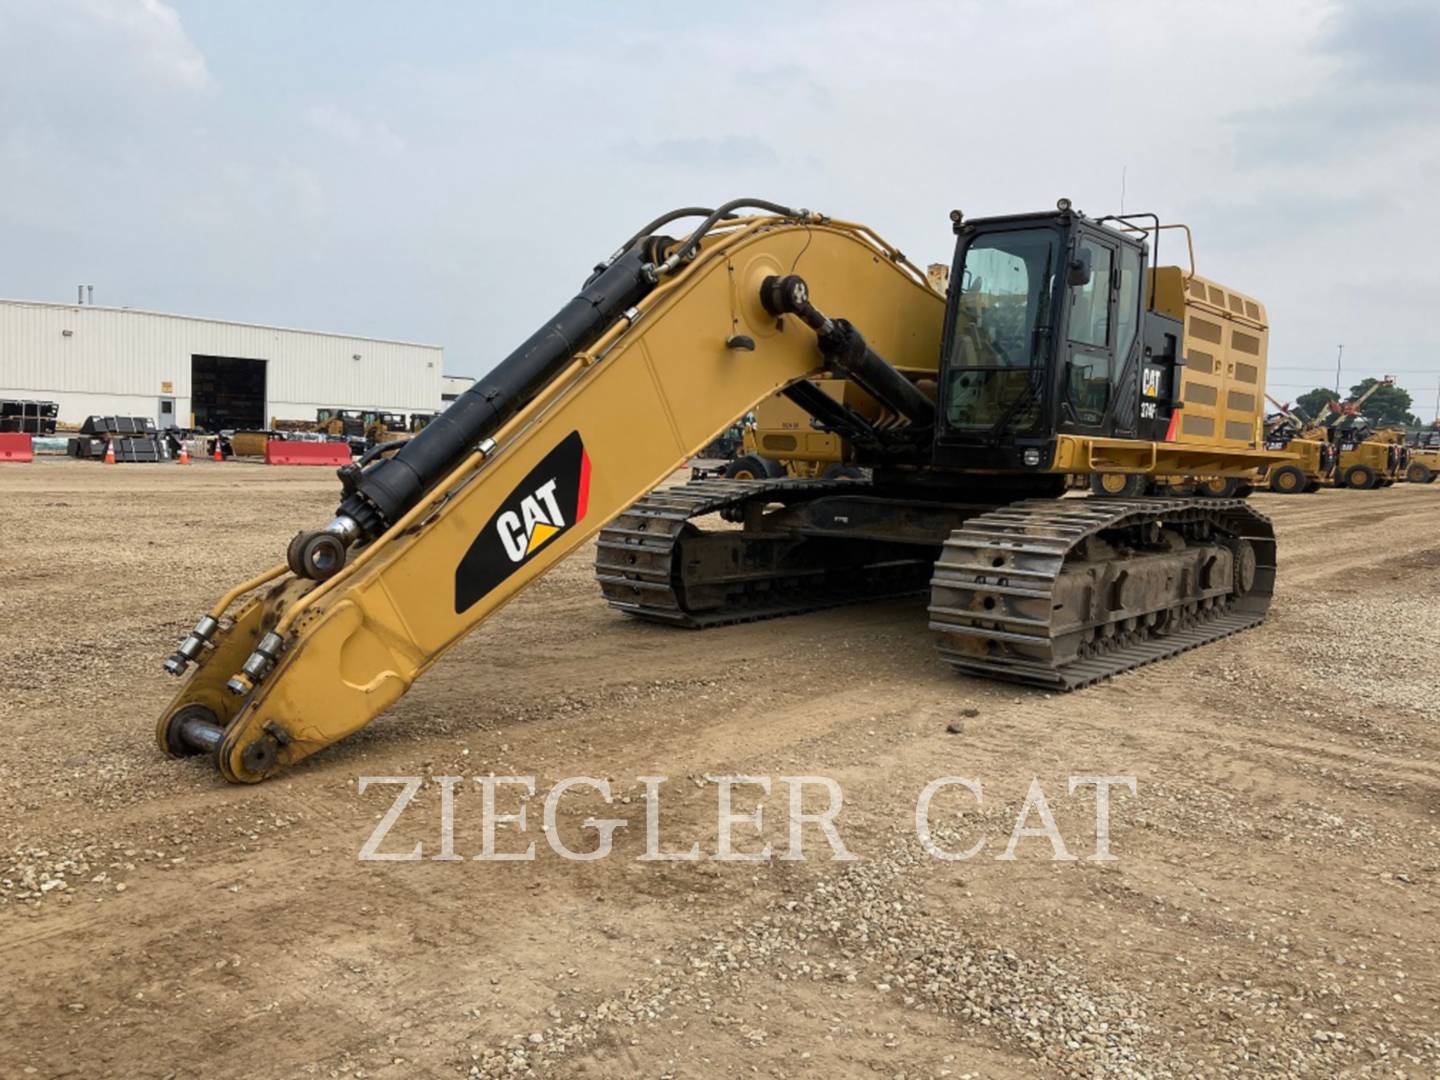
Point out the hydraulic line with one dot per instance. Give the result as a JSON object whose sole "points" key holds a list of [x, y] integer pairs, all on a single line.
{"points": [[383, 492], [692, 242], [378, 450], [379, 495], [660, 222], [194, 644]]}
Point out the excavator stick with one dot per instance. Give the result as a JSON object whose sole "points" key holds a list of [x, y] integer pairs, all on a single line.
{"points": [[578, 424]]}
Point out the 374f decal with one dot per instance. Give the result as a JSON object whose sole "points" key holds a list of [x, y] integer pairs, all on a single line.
{"points": [[551, 499]]}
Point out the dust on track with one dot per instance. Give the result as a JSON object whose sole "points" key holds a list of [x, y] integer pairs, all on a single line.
{"points": [[1273, 910]]}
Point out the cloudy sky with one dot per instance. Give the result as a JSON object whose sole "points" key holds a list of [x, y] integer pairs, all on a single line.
{"points": [[449, 172]]}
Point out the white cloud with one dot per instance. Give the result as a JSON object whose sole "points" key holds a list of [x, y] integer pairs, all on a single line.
{"points": [[154, 31], [141, 41]]}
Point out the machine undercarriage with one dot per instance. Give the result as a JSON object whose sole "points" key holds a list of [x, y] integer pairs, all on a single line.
{"points": [[1051, 592]]}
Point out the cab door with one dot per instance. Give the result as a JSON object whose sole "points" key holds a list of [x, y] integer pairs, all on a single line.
{"points": [[1088, 371]]}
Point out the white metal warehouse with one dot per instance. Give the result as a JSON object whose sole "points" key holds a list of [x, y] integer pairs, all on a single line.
{"points": [[205, 373], [452, 386]]}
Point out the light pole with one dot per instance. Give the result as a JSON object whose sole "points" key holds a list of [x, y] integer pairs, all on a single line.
{"points": [[1340, 351]]}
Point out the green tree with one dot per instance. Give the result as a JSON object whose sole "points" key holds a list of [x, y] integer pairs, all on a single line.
{"points": [[1388, 405], [1311, 402]]}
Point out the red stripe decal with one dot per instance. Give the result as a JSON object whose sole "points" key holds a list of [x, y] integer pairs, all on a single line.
{"points": [[1174, 420], [582, 501]]}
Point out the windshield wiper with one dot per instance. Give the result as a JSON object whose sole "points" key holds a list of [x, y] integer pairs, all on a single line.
{"points": [[1032, 385], [1014, 407]]}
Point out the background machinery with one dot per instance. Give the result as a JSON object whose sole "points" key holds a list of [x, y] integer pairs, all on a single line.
{"points": [[1315, 457], [1367, 457], [384, 427], [1047, 359], [728, 444], [1424, 448], [783, 439]]}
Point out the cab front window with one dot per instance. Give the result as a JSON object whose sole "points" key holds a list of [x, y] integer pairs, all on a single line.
{"points": [[1001, 340]]}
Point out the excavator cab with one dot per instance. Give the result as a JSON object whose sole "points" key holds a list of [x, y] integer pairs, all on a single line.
{"points": [[1045, 334]]}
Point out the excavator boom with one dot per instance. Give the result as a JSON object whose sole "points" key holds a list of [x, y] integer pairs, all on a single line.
{"points": [[430, 542]]}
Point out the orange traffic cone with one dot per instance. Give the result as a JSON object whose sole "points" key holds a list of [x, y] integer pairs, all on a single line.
{"points": [[109, 451], [218, 455], [184, 453]]}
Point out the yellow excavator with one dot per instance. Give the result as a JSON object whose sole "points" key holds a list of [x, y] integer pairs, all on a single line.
{"points": [[1051, 352]]}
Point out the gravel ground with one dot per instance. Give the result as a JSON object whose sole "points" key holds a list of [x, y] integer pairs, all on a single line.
{"points": [[1272, 910]]}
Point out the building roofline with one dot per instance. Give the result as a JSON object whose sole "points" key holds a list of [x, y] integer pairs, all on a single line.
{"points": [[219, 322]]}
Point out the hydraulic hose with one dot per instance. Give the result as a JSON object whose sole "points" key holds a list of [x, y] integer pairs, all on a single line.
{"points": [[686, 249], [665, 219], [649, 230], [378, 450], [389, 487]]}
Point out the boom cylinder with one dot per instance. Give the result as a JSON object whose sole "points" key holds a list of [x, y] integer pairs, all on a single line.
{"points": [[849, 355], [846, 351], [385, 491]]}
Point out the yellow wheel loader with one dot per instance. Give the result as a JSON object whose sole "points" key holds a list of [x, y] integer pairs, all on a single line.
{"points": [[1047, 358], [1424, 463], [1397, 455], [386, 427], [1315, 457], [1366, 457]]}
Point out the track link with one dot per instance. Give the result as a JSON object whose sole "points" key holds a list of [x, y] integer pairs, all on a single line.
{"points": [[1018, 593], [652, 562]]}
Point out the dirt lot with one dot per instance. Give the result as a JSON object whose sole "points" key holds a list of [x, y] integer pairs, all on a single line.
{"points": [[1273, 909]]}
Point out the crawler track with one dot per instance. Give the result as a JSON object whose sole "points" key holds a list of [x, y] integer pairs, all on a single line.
{"points": [[1017, 596], [652, 561], [1052, 592]]}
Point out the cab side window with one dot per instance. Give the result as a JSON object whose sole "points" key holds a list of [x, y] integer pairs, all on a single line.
{"points": [[1089, 364], [1090, 303], [1127, 304]]}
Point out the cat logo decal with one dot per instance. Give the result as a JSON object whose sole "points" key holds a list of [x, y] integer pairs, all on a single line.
{"points": [[551, 499]]}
